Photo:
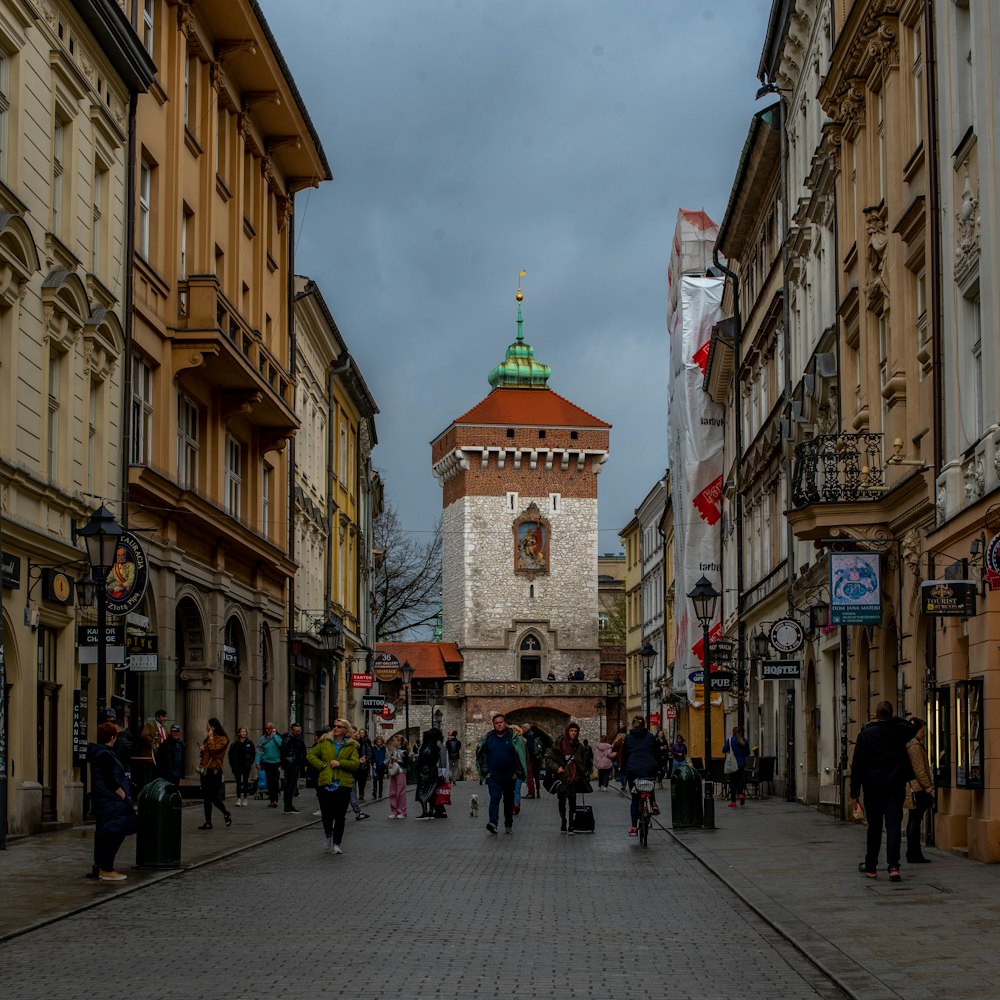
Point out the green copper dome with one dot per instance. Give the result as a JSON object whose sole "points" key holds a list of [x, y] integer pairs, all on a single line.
{"points": [[519, 369]]}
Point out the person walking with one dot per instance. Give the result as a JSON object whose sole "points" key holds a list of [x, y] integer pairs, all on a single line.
{"points": [[111, 795], [880, 770], [242, 754], [740, 749], [293, 759], [213, 753], [365, 753], [399, 759], [335, 757], [678, 750], [640, 759], [269, 748], [359, 814], [604, 762], [501, 761], [616, 748], [531, 745], [664, 746], [153, 734], [380, 760], [922, 793], [170, 757], [453, 745], [567, 758], [428, 763]]}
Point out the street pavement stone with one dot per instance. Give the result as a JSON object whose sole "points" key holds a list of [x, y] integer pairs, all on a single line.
{"points": [[930, 935], [421, 910]]}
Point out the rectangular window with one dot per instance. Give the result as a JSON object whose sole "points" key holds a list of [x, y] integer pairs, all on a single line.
{"points": [[880, 131], [976, 338], [148, 23], [234, 476], [93, 448], [145, 193], [222, 131], [265, 507], [191, 94], [249, 189], [99, 221], [4, 111], [511, 501], [142, 412], [939, 735], [58, 155], [52, 437], [969, 734], [186, 216], [187, 443], [918, 83], [343, 453]]}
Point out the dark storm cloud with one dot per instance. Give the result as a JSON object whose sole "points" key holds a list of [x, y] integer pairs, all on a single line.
{"points": [[472, 139]]}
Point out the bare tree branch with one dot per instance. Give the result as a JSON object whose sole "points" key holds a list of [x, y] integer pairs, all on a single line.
{"points": [[407, 585]]}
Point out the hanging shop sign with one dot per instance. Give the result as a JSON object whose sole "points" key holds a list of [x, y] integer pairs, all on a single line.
{"points": [[385, 667], [948, 598], [992, 561], [786, 635], [364, 681], [855, 588], [781, 670], [126, 581]]}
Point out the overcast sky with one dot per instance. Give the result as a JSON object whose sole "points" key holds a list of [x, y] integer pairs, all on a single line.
{"points": [[471, 139]]}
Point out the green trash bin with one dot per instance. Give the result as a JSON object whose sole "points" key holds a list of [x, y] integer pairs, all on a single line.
{"points": [[158, 833], [685, 797]]}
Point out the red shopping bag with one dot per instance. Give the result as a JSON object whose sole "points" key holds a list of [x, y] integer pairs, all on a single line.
{"points": [[443, 795]]}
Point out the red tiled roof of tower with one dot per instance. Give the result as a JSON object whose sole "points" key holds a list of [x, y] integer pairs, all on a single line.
{"points": [[536, 407]]}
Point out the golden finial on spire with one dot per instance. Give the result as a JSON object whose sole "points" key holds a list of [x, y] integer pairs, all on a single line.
{"points": [[520, 294]]}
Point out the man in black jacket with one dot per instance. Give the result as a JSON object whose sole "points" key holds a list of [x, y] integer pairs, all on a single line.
{"points": [[640, 759], [293, 758], [170, 757], [881, 768]]}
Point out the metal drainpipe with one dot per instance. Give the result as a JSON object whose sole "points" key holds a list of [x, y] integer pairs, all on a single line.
{"points": [[740, 568], [934, 195], [290, 478]]}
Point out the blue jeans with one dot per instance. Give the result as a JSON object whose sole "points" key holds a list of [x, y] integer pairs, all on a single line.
{"points": [[501, 788]]}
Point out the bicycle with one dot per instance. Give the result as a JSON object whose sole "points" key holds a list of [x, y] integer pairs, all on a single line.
{"points": [[643, 787]]}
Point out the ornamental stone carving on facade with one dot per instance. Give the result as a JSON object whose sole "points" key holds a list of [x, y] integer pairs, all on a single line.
{"points": [[996, 458], [876, 290], [967, 233], [974, 476], [940, 504], [911, 548]]}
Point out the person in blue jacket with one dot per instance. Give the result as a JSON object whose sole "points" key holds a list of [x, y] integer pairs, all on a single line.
{"points": [[737, 779], [111, 795]]}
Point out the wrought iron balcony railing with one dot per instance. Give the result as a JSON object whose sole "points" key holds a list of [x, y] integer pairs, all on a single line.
{"points": [[838, 468]]}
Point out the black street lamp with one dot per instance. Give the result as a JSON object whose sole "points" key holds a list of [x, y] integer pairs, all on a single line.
{"points": [[406, 674], [329, 632], [647, 654], [100, 535], [704, 597], [600, 706], [618, 684]]}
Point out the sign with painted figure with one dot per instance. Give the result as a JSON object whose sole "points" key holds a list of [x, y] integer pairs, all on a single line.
{"points": [[125, 585], [855, 588], [531, 542]]}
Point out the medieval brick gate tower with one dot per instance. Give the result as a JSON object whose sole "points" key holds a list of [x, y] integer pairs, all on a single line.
{"points": [[519, 477]]}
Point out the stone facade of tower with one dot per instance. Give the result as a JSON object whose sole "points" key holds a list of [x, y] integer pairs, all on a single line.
{"points": [[520, 545]]}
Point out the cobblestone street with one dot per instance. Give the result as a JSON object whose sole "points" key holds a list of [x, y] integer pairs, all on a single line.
{"points": [[425, 909]]}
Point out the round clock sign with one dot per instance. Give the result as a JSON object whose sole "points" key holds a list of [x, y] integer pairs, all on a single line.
{"points": [[786, 635]]}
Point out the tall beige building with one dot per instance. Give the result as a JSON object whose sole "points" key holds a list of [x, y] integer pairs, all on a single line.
{"points": [[225, 143], [68, 75]]}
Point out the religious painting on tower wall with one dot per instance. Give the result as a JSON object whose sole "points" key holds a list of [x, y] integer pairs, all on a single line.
{"points": [[531, 542]]}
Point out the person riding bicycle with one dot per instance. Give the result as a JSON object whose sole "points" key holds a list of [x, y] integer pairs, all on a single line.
{"points": [[640, 759]]}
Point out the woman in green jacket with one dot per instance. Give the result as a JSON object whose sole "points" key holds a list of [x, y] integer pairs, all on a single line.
{"points": [[336, 759]]}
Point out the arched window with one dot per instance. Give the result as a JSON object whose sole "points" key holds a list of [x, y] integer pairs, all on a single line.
{"points": [[530, 658]]}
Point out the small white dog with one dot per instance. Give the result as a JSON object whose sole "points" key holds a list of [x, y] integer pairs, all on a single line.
{"points": [[473, 805]]}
